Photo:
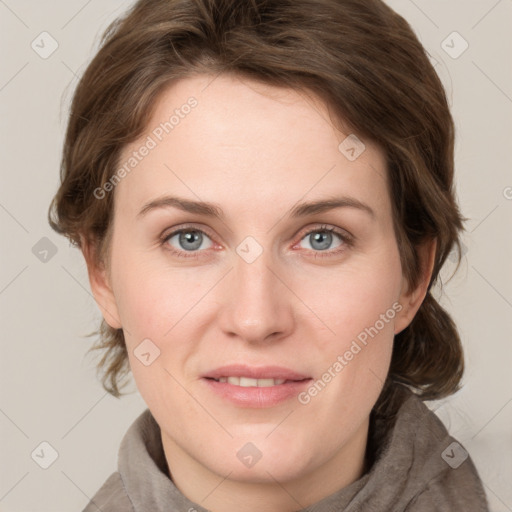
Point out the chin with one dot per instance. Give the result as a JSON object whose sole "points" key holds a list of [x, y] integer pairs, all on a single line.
{"points": [[261, 462]]}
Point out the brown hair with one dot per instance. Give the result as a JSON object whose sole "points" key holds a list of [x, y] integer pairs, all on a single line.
{"points": [[360, 57]]}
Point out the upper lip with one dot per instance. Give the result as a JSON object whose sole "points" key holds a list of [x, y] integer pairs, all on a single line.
{"points": [[255, 372]]}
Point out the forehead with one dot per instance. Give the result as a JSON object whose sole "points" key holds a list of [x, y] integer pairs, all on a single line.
{"points": [[244, 143]]}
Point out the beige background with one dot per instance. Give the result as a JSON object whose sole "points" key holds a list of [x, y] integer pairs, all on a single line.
{"points": [[48, 389]]}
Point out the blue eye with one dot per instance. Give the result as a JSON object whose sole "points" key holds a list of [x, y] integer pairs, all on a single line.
{"points": [[322, 239], [188, 240]]}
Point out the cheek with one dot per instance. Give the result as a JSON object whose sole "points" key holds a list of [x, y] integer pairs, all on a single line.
{"points": [[152, 298], [357, 304], [352, 298], [150, 308], [166, 308], [353, 354]]}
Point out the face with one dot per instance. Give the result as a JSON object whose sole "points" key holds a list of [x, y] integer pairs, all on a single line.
{"points": [[269, 287]]}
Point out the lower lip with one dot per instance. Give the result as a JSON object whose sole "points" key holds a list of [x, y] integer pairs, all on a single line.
{"points": [[257, 397]]}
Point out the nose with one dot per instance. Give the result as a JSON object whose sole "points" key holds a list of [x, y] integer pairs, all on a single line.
{"points": [[257, 307]]}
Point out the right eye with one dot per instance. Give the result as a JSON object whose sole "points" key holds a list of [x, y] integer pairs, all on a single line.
{"points": [[186, 240]]}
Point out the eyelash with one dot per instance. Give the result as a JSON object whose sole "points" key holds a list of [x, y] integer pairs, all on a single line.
{"points": [[348, 241]]}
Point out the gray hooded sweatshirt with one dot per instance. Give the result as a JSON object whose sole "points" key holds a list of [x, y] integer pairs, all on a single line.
{"points": [[414, 466]]}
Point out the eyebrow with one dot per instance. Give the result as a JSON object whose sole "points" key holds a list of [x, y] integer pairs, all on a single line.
{"points": [[213, 210]]}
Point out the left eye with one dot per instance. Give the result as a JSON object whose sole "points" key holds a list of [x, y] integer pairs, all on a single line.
{"points": [[322, 239]]}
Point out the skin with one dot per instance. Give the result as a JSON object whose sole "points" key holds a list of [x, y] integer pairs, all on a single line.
{"points": [[255, 150]]}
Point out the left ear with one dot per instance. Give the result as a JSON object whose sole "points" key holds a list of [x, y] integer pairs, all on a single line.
{"points": [[411, 300]]}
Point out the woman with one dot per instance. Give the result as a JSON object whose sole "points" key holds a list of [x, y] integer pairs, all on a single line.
{"points": [[263, 194]]}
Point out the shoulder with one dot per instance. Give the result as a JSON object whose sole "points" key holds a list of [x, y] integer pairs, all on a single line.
{"points": [[458, 489], [111, 497], [449, 479], [419, 466]]}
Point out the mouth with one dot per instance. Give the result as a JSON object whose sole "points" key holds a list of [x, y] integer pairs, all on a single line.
{"points": [[255, 376], [247, 382], [255, 387]]}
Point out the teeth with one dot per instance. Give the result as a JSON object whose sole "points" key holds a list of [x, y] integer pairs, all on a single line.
{"points": [[246, 382]]}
